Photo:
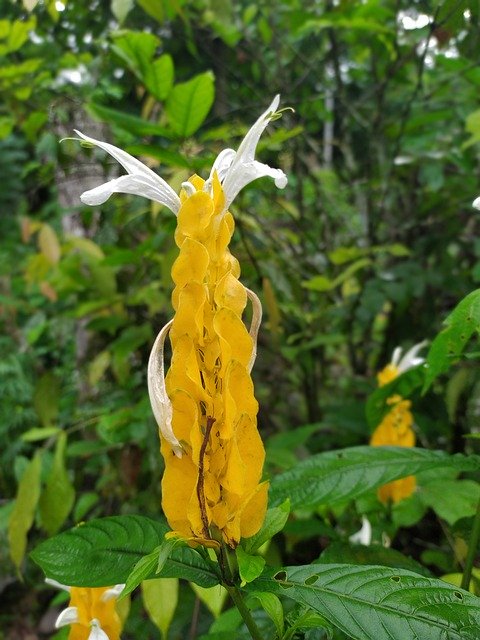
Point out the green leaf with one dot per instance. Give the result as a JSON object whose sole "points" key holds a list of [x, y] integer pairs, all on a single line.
{"points": [[451, 499], [23, 513], [403, 385], [213, 598], [40, 433], [249, 566], [378, 602], [448, 345], [105, 550], [273, 607], [58, 495], [153, 562], [335, 476], [133, 124], [345, 553], [160, 598], [188, 104], [137, 49], [159, 77], [46, 398], [275, 520]]}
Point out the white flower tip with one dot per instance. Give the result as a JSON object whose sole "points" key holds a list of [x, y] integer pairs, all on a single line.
{"points": [[96, 631], [281, 180], [113, 592], [364, 536], [56, 584], [476, 203], [66, 617]]}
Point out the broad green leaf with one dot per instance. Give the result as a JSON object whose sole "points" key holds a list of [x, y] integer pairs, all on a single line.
{"points": [[121, 8], [188, 104], [273, 607], [451, 499], [160, 598], [345, 553], [249, 566], [368, 602], [335, 476], [448, 345], [137, 49], [275, 520], [58, 495], [105, 550], [213, 598], [23, 513], [159, 77], [403, 385], [46, 398]]}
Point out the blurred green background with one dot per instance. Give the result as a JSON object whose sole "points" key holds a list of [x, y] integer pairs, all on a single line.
{"points": [[371, 244]]}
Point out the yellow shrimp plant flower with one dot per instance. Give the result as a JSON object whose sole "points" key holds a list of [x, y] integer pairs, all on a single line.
{"points": [[91, 613], [205, 405], [396, 428]]}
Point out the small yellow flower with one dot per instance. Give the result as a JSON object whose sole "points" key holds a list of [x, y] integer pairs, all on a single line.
{"points": [[91, 613], [205, 406], [396, 428]]}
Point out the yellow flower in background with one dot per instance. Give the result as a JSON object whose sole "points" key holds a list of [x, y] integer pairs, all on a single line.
{"points": [[205, 406], [91, 613], [396, 428]]}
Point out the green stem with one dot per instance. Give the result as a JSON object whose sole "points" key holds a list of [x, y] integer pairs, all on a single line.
{"points": [[236, 596], [472, 550]]}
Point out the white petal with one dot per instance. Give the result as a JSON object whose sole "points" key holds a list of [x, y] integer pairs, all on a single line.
{"points": [[396, 355], [66, 617], [57, 585], [137, 185], [243, 169], [161, 405], [410, 358], [135, 167], [246, 173], [114, 592], [96, 632], [255, 325], [476, 203], [364, 536], [223, 163]]}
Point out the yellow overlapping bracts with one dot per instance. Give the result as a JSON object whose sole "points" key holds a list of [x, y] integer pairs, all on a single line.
{"points": [[92, 605], [213, 490]]}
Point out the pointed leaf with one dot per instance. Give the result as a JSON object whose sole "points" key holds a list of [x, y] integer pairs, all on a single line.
{"points": [[346, 474], [213, 598], [160, 598], [58, 496], [188, 104], [249, 566], [105, 550], [378, 602], [23, 513]]}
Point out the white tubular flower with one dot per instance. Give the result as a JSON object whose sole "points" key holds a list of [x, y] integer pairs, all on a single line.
{"points": [[476, 203], [410, 359], [364, 536], [140, 181], [235, 169]]}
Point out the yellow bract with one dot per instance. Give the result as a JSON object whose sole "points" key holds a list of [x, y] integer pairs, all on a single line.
{"points": [[213, 490], [396, 430], [91, 606]]}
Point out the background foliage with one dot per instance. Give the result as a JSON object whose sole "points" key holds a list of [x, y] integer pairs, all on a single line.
{"points": [[371, 245]]}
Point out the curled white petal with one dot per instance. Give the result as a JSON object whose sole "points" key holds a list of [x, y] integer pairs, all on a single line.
{"points": [[145, 176], [241, 168], [57, 585], [66, 617], [255, 325], [410, 359], [364, 536], [189, 188], [161, 405], [222, 164], [96, 631], [137, 185], [113, 592], [476, 203]]}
